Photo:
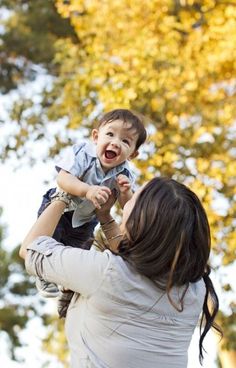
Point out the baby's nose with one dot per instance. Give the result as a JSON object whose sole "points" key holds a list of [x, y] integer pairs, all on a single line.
{"points": [[115, 143]]}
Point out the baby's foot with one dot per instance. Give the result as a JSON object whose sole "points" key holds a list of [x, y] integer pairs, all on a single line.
{"points": [[64, 301]]}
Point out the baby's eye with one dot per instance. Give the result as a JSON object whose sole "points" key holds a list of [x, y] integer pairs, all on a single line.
{"points": [[110, 134], [126, 141]]}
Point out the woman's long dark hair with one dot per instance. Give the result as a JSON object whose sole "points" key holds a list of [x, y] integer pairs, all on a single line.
{"points": [[168, 240]]}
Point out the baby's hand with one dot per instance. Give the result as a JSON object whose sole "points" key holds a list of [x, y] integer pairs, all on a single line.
{"points": [[98, 195], [123, 183]]}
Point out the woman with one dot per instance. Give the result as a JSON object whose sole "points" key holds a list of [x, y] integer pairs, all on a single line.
{"points": [[139, 303]]}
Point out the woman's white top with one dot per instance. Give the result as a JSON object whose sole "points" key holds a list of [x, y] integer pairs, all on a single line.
{"points": [[117, 317]]}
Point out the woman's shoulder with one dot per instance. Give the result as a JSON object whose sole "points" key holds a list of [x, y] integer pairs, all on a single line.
{"points": [[125, 275], [194, 295], [197, 290], [117, 262]]}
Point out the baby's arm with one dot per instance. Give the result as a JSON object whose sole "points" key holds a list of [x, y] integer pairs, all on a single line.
{"points": [[125, 189], [71, 184]]}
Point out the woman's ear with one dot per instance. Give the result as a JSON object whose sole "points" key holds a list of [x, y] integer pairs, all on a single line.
{"points": [[94, 135], [133, 155]]}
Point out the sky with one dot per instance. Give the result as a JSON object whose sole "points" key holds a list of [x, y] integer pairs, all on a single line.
{"points": [[20, 196]]}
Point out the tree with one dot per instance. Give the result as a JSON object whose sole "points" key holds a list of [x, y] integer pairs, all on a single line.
{"points": [[19, 305], [172, 60], [16, 290], [30, 32]]}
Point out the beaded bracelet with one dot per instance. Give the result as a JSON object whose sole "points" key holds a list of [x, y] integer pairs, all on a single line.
{"points": [[114, 237], [108, 229], [107, 223]]}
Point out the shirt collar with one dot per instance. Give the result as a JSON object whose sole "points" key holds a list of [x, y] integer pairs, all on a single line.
{"points": [[91, 149], [117, 170]]}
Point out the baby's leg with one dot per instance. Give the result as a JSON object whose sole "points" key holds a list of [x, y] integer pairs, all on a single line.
{"points": [[48, 289], [46, 200], [80, 237]]}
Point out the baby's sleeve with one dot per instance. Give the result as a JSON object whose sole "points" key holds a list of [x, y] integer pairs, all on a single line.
{"points": [[132, 177], [133, 182], [73, 160]]}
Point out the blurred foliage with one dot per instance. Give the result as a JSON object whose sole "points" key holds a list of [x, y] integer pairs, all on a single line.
{"points": [[55, 342], [229, 323], [30, 30], [171, 60], [16, 291], [19, 305], [227, 351]]}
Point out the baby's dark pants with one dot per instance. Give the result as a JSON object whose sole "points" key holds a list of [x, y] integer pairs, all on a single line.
{"points": [[79, 237]]}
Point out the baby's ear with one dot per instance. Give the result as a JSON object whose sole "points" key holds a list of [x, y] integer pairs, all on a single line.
{"points": [[133, 155], [94, 135]]}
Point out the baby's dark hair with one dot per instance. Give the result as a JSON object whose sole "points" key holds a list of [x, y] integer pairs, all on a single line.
{"points": [[127, 116]]}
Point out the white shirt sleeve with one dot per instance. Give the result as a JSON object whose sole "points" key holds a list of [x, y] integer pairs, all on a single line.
{"points": [[76, 269]]}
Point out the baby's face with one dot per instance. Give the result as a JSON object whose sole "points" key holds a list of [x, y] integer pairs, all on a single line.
{"points": [[115, 143]]}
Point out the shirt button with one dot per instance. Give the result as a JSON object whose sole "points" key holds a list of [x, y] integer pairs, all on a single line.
{"points": [[48, 252]]}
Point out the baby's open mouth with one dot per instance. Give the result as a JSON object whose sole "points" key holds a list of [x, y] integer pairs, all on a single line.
{"points": [[110, 154]]}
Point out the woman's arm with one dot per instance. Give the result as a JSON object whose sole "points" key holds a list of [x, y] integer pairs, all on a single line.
{"points": [[126, 192], [45, 224], [109, 226], [76, 269]]}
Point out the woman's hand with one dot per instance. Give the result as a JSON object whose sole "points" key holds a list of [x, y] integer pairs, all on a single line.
{"points": [[103, 214], [124, 183], [109, 227]]}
